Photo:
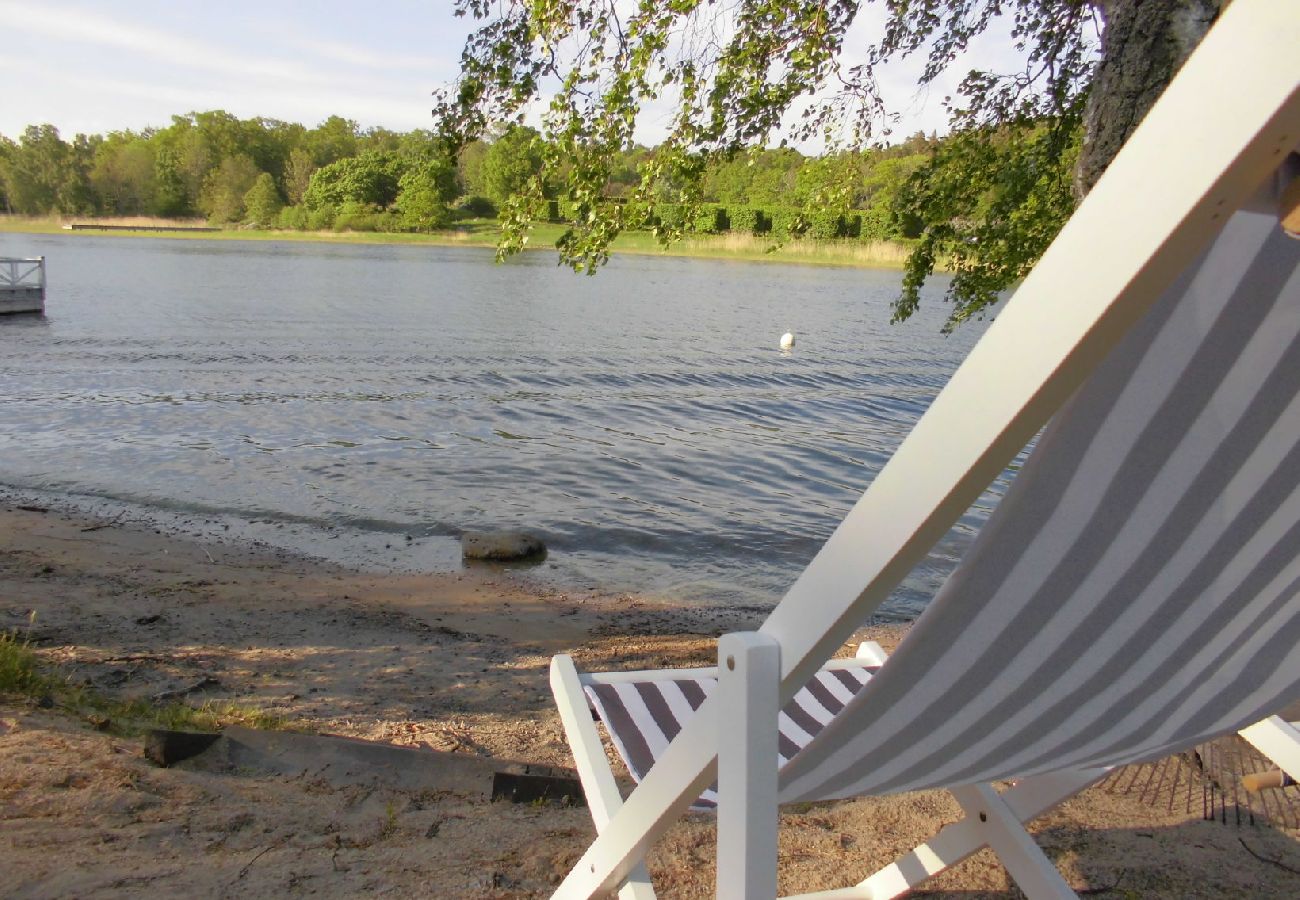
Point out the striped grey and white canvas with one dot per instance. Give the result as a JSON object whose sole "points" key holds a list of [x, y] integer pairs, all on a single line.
{"points": [[643, 717], [1138, 589]]}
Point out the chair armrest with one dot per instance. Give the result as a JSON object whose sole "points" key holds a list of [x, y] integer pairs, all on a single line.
{"points": [[869, 654]]}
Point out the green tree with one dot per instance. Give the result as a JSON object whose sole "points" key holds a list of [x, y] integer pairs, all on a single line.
{"points": [[190, 150], [1083, 85], [424, 194], [512, 162], [297, 174], [414, 148], [36, 169], [725, 180], [75, 193], [124, 175], [7, 149], [170, 195], [987, 203], [886, 177], [773, 176], [262, 203], [371, 178], [268, 142], [625, 174], [469, 168], [222, 199], [193, 157], [380, 140], [334, 139]]}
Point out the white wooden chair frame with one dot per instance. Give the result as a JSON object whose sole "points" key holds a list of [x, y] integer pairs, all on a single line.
{"points": [[1224, 124], [746, 831], [1279, 740], [603, 797]]}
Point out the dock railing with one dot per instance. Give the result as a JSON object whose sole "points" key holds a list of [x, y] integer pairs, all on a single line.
{"points": [[19, 274]]}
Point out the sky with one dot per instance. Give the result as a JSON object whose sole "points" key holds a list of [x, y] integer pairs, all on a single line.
{"points": [[95, 66]]}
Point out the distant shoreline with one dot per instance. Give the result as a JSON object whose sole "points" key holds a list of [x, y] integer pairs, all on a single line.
{"points": [[483, 233]]}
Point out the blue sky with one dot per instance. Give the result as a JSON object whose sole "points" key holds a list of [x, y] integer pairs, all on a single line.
{"points": [[108, 65], [94, 67]]}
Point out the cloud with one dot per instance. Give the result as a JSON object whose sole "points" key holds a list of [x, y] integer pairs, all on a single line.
{"points": [[62, 23], [106, 103], [351, 55], [65, 23]]}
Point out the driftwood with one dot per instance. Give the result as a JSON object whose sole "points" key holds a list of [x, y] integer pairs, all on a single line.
{"points": [[166, 748], [342, 761]]}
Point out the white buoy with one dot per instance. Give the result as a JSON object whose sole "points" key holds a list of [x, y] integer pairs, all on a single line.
{"points": [[787, 340]]}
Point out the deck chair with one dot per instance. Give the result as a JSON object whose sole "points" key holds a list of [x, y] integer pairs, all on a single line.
{"points": [[1136, 592]]}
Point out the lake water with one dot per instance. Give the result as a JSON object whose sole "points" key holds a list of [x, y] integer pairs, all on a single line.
{"points": [[368, 403]]}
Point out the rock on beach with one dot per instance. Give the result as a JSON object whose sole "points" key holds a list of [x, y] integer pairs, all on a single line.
{"points": [[501, 545]]}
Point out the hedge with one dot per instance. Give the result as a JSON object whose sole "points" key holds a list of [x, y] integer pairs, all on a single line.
{"points": [[744, 219], [782, 222], [476, 206], [670, 215], [786, 223], [825, 225], [711, 218]]}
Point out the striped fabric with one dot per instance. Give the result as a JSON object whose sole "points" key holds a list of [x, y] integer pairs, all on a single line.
{"points": [[1138, 589], [642, 718]]}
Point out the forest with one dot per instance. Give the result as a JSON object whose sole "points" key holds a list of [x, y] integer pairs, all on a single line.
{"points": [[268, 174]]}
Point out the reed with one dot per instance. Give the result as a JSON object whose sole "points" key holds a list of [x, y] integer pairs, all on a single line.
{"points": [[30, 224], [19, 672], [867, 254], [134, 221]]}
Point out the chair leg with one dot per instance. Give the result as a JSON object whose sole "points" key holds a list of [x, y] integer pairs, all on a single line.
{"points": [[749, 698], [1279, 740], [603, 798], [1002, 829]]}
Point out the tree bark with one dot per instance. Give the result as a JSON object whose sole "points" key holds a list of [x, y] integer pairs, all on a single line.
{"points": [[1144, 43]]}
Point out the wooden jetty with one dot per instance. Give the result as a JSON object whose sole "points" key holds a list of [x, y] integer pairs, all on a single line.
{"points": [[95, 226], [22, 285]]}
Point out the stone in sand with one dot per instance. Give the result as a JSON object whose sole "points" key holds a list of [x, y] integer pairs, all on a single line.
{"points": [[501, 545]]}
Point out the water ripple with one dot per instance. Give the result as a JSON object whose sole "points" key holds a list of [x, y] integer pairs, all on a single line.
{"points": [[643, 420]]}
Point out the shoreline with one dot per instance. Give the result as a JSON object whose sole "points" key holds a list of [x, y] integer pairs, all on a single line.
{"points": [[454, 662], [480, 235], [393, 551], [91, 583]]}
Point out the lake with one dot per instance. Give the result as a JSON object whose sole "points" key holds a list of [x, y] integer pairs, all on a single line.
{"points": [[367, 403]]}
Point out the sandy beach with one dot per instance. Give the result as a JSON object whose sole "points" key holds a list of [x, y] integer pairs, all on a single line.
{"points": [[450, 662]]}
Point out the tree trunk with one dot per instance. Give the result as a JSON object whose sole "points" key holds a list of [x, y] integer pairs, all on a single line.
{"points": [[1143, 45]]}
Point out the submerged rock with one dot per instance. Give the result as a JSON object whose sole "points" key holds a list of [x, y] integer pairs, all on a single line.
{"points": [[501, 545]]}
